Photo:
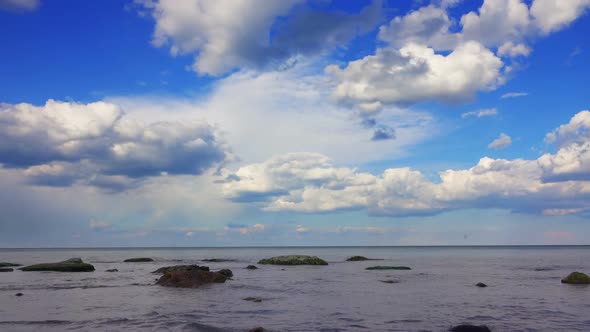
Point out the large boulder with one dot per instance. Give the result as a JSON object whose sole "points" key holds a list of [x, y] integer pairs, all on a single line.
{"points": [[139, 260], [576, 278], [70, 265], [294, 260], [379, 267], [181, 268], [470, 328], [190, 279], [6, 264]]}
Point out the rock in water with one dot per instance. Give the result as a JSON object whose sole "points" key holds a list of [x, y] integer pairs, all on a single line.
{"points": [[357, 259], [257, 329], [253, 299], [5, 264], [226, 272], [251, 267], [379, 267], [190, 279], [294, 260], [6, 269], [112, 270], [578, 278], [183, 268], [218, 260], [138, 260], [481, 284], [470, 328], [70, 265], [19, 294]]}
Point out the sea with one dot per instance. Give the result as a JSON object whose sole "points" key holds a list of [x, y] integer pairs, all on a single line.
{"points": [[524, 290]]}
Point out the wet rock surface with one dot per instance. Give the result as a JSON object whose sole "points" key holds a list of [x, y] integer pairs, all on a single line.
{"points": [[470, 328], [138, 260], [577, 278], [181, 268], [70, 265], [293, 260], [190, 279], [379, 267]]}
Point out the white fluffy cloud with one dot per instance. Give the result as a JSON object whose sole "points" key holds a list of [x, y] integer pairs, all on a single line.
{"points": [[228, 34], [310, 183], [416, 73], [415, 64], [60, 143], [502, 142]]}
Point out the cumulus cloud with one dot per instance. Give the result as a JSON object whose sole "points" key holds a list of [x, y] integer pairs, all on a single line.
{"points": [[416, 73], [61, 143], [481, 113], [429, 55], [502, 142], [232, 34], [19, 5], [553, 184]]}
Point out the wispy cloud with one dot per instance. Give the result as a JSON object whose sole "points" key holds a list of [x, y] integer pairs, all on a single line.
{"points": [[502, 142], [480, 113], [514, 95]]}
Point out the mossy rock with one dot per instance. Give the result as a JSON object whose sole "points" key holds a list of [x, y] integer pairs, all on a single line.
{"points": [[138, 260], [379, 267], [70, 265], [5, 264], [576, 278], [294, 260], [357, 259], [190, 279]]}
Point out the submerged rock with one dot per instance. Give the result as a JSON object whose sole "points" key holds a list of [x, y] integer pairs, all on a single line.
{"points": [[6, 269], [112, 270], [253, 299], [19, 294], [226, 272], [190, 279], [481, 284], [251, 267], [218, 260], [257, 329], [6, 264], [294, 260], [389, 281], [181, 268], [379, 267], [470, 328], [138, 260], [576, 278], [70, 265], [361, 258]]}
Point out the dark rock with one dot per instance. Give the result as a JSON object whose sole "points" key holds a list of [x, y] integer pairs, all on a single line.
{"points": [[481, 284], [257, 329], [361, 258], [470, 328], [181, 268], [251, 267], [253, 299], [5, 264], [190, 279], [6, 269], [19, 294], [294, 260], [226, 272], [70, 265], [379, 267], [112, 270], [139, 260], [218, 260], [578, 278], [390, 281]]}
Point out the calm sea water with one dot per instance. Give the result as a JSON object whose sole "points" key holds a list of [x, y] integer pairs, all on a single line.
{"points": [[437, 293]]}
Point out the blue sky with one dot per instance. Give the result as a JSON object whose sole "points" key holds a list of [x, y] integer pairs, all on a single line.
{"points": [[160, 123]]}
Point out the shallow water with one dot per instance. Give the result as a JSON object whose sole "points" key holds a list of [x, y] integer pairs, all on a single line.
{"points": [[437, 293]]}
